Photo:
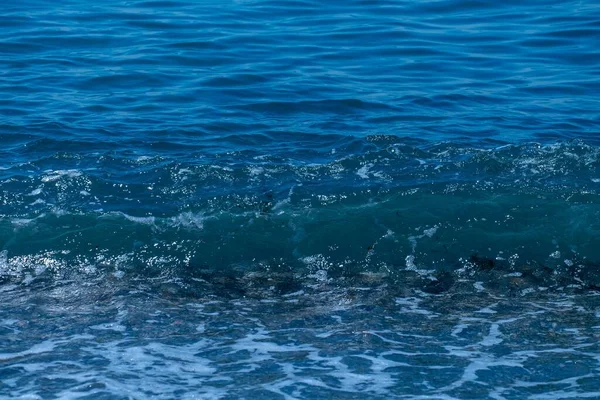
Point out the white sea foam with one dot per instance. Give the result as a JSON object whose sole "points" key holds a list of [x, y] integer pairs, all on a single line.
{"points": [[52, 176], [364, 171]]}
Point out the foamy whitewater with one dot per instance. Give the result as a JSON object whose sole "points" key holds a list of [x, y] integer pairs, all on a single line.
{"points": [[292, 199]]}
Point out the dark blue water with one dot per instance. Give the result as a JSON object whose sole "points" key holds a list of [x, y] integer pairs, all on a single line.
{"points": [[294, 199]]}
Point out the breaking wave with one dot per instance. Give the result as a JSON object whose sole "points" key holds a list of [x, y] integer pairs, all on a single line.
{"points": [[519, 216]]}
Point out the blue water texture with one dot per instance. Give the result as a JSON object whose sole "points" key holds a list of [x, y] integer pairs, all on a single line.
{"points": [[288, 199]]}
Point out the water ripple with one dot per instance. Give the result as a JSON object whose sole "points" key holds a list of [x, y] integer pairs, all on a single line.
{"points": [[131, 66]]}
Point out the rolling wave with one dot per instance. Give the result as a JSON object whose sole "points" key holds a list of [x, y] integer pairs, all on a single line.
{"points": [[396, 207]]}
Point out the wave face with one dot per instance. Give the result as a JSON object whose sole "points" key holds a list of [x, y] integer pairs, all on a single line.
{"points": [[390, 207], [299, 199]]}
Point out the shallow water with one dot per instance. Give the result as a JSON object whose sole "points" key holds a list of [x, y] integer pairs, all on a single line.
{"points": [[288, 199], [100, 339]]}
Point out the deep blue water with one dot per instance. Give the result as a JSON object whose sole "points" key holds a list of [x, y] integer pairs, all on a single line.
{"points": [[298, 199]]}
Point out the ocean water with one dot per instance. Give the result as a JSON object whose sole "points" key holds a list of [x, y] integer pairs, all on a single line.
{"points": [[293, 199]]}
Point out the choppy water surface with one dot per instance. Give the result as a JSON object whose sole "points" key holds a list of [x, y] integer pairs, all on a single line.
{"points": [[288, 199]]}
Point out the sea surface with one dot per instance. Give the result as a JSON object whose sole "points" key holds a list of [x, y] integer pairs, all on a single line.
{"points": [[297, 199]]}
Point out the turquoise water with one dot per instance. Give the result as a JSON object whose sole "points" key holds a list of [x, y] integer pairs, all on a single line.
{"points": [[289, 199]]}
